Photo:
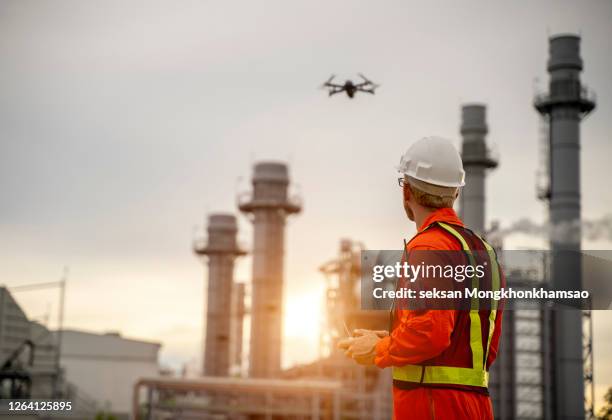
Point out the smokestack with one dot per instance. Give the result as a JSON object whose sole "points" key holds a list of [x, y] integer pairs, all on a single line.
{"points": [[476, 160], [221, 250], [269, 206], [564, 106], [238, 312]]}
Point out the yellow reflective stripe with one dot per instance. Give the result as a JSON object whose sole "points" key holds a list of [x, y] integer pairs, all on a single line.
{"points": [[476, 339], [455, 375], [495, 285], [474, 302], [456, 234], [441, 375], [408, 373], [475, 325], [495, 280], [492, 317]]}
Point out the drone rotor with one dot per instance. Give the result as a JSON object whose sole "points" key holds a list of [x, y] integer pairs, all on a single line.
{"points": [[328, 82]]}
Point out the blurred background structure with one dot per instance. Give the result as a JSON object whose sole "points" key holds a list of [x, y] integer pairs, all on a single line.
{"points": [[477, 159], [539, 372], [220, 339], [566, 104], [269, 204], [94, 371]]}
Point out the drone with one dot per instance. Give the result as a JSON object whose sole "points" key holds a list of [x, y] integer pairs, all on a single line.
{"points": [[349, 87]]}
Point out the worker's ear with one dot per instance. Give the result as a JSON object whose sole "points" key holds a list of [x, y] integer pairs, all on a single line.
{"points": [[407, 193]]}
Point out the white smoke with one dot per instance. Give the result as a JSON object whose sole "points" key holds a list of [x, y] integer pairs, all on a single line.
{"points": [[591, 230]]}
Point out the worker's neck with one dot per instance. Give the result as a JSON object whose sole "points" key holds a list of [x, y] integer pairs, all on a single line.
{"points": [[421, 214]]}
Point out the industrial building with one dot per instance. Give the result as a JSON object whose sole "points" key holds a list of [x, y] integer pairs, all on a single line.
{"points": [[29, 364], [94, 371], [105, 367]]}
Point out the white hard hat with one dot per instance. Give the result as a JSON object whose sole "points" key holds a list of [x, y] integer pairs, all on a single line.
{"points": [[433, 160]]}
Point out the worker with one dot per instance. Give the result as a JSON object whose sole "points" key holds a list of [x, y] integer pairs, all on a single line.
{"points": [[439, 357]]}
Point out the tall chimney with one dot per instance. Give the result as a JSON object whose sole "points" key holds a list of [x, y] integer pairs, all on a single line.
{"points": [[238, 311], [269, 206], [565, 105], [221, 250], [476, 160]]}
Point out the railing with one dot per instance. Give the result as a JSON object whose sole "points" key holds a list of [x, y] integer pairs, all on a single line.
{"points": [[245, 200], [566, 90], [201, 244]]}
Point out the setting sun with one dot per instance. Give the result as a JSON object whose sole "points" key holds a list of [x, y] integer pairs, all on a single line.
{"points": [[302, 322]]}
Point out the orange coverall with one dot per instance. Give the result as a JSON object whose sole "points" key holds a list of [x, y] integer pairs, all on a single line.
{"points": [[419, 336]]}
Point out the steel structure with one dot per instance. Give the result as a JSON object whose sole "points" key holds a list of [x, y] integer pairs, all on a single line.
{"points": [[344, 314], [242, 398], [16, 349], [269, 205], [28, 357], [221, 248], [477, 158], [565, 105]]}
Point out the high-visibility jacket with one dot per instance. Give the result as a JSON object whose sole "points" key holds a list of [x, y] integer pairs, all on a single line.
{"points": [[440, 358]]}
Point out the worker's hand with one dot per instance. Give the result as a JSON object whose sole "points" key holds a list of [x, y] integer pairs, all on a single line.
{"points": [[363, 348], [345, 343], [366, 359], [380, 333]]}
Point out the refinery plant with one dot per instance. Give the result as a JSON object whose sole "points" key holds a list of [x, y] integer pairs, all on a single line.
{"points": [[543, 370], [544, 363]]}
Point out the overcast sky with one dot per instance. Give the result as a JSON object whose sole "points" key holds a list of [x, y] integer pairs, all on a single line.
{"points": [[122, 124]]}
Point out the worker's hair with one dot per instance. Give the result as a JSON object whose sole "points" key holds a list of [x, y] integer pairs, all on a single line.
{"points": [[430, 200]]}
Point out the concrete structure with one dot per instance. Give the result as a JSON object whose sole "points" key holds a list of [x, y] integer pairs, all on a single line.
{"points": [[565, 105], [238, 311], [221, 250], [107, 366], [269, 205], [476, 160]]}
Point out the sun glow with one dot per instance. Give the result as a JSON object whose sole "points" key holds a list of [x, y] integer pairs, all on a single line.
{"points": [[303, 316]]}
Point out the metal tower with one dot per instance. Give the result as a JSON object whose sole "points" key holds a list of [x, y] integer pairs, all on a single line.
{"points": [[476, 160], [567, 102], [221, 250], [269, 205]]}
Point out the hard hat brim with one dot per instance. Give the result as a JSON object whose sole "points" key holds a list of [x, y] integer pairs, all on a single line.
{"points": [[437, 190]]}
